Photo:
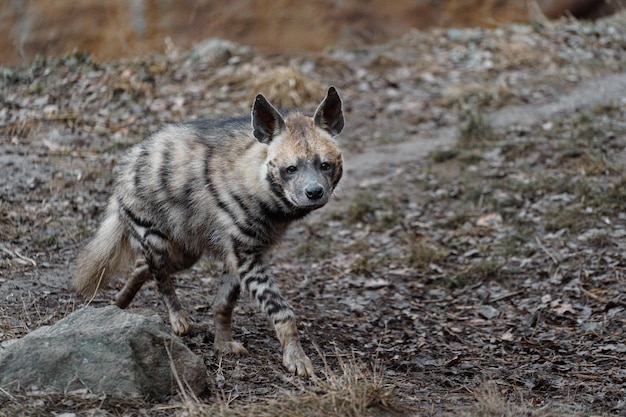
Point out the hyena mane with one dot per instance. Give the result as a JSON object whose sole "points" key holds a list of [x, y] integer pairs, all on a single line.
{"points": [[224, 188]]}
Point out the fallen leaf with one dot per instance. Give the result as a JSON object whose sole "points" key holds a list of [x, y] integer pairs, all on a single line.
{"points": [[491, 220]]}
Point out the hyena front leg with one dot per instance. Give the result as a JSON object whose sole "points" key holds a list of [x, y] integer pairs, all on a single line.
{"points": [[257, 282], [227, 296]]}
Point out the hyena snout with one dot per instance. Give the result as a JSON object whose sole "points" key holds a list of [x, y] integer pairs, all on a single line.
{"points": [[314, 192]]}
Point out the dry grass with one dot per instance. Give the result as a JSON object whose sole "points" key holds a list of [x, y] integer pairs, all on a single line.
{"points": [[356, 390], [491, 402], [476, 131], [477, 95], [287, 86], [422, 253]]}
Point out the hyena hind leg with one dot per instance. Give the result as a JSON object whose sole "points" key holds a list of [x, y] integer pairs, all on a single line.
{"points": [[178, 318], [142, 273], [225, 301], [140, 276]]}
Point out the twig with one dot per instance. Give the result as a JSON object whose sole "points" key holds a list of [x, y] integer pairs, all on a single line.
{"points": [[543, 248], [592, 295], [24, 258], [97, 287], [12, 398], [16, 254], [507, 296], [183, 386]]}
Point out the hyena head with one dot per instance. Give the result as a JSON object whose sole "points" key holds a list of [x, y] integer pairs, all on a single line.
{"points": [[303, 164]]}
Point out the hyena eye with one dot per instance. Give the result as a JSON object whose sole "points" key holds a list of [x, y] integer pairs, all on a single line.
{"points": [[325, 166], [291, 169]]}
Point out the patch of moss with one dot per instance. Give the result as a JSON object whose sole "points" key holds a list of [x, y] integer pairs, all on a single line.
{"points": [[476, 131], [444, 155], [455, 220], [565, 217], [473, 273], [377, 212], [422, 253]]}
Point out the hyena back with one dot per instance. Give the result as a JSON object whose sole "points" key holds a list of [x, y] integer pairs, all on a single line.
{"points": [[223, 188]]}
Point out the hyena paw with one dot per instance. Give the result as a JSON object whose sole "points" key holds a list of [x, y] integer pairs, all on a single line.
{"points": [[180, 323], [122, 301], [296, 361], [231, 347]]}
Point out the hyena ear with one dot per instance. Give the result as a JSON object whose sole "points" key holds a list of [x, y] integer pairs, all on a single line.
{"points": [[266, 121], [329, 115]]}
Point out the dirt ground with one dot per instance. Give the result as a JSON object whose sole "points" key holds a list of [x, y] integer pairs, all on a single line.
{"points": [[471, 262]]}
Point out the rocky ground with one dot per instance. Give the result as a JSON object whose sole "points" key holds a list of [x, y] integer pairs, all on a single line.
{"points": [[470, 264]]}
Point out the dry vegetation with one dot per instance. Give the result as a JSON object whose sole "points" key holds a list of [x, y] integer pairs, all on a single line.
{"points": [[470, 265]]}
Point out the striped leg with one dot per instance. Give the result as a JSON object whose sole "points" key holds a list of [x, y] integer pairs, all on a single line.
{"points": [[159, 259], [225, 301], [178, 317], [256, 281]]}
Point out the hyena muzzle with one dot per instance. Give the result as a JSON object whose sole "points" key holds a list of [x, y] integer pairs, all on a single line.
{"points": [[222, 188]]}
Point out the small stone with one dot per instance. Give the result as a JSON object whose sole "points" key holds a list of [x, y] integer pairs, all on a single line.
{"points": [[488, 312]]}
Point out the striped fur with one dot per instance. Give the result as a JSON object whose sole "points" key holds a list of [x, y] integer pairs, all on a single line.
{"points": [[222, 188]]}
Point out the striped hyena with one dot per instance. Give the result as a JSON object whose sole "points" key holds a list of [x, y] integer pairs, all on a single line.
{"points": [[222, 188]]}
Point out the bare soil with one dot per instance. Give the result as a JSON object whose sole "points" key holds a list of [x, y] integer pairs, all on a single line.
{"points": [[471, 262]]}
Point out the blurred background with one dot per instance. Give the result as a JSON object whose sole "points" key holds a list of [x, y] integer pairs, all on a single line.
{"points": [[117, 28]]}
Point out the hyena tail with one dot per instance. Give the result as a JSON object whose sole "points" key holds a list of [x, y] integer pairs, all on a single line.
{"points": [[105, 254]]}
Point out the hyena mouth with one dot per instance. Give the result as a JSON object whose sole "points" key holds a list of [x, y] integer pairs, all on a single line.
{"points": [[311, 206], [308, 205]]}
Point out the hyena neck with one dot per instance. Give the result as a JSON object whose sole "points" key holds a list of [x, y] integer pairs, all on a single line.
{"points": [[280, 214]]}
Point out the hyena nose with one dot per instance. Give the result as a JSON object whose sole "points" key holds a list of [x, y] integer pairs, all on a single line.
{"points": [[314, 192]]}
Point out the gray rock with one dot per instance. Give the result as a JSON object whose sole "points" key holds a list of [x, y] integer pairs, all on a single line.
{"points": [[106, 350]]}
